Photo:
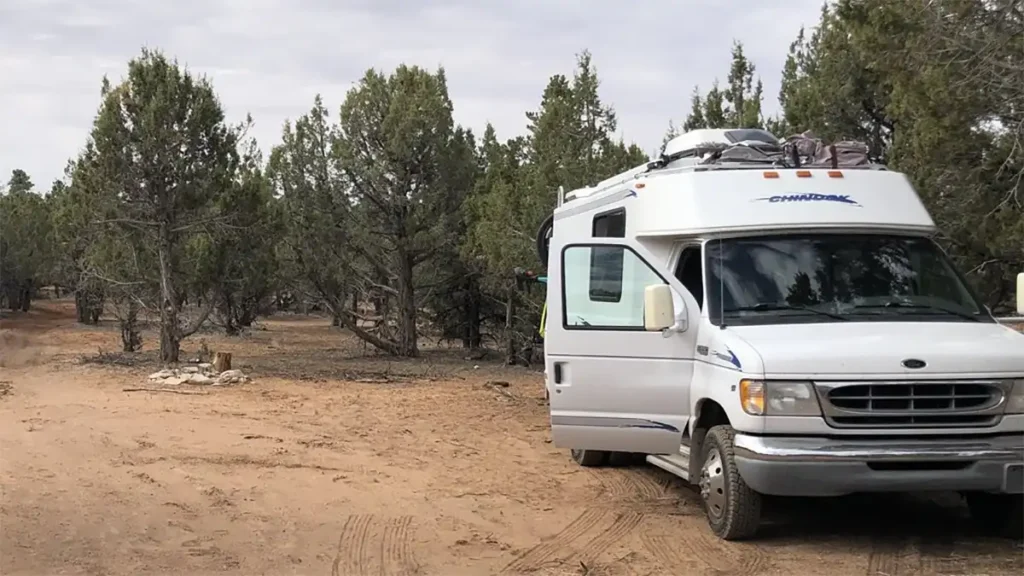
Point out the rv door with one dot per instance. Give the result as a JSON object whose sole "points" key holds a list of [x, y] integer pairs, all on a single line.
{"points": [[615, 383]]}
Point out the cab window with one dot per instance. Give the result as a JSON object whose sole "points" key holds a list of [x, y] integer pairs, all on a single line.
{"points": [[580, 266]]}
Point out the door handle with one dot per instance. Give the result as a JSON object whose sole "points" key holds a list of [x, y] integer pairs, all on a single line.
{"points": [[558, 372]]}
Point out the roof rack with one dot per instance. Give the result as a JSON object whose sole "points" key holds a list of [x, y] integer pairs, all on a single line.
{"points": [[740, 149]]}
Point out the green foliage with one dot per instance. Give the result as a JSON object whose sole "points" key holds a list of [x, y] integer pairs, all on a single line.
{"points": [[26, 248], [738, 105], [937, 89], [570, 144], [238, 260], [397, 221], [19, 182], [372, 199], [316, 251], [160, 156]]}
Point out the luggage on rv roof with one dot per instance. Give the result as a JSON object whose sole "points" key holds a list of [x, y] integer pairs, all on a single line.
{"points": [[800, 150], [715, 147]]}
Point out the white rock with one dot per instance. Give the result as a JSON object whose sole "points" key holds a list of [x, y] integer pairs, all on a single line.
{"points": [[231, 377], [161, 374], [174, 380], [190, 370], [199, 379], [205, 366]]}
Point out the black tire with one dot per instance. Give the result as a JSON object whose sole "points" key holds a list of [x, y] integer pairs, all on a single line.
{"points": [[997, 514], [590, 458], [733, 510]]}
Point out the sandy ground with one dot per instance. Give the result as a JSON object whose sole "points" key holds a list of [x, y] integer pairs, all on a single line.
{"points": [[333, 461]]}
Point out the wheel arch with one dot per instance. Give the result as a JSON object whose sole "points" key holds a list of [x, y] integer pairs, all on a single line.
{"points": [[708, 413]]}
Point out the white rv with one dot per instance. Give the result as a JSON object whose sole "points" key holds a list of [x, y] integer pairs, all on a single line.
{"points": [[759, 328]]}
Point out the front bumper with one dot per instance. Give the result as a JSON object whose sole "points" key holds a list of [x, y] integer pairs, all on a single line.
{"points": [[834, 467]]}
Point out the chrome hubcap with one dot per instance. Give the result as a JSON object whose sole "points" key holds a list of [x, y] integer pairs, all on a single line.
{"points": [[712, 484]]}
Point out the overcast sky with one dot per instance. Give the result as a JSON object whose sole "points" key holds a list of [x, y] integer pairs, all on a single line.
{"points": [[270, 57]]}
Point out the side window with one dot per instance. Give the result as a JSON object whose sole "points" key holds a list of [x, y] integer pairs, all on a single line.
{"points": [[606, 262], [583, 312], [689, 272]]}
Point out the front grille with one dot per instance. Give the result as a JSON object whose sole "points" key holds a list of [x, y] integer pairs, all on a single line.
{"points": [[911, 404]]}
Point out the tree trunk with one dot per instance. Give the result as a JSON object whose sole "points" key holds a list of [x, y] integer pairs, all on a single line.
{"points": [[227, 313], [26, 296], [510, 337], [130, 339], [473, 314], [170, 346], [170, 340], [13, 298], [407, 333], [222, 361], [81, 306]]}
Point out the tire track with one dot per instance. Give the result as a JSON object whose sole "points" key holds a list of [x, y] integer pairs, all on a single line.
{"points": [[886, 556], [665, 506], [396, 548], [938, 555], [537, 556], [369, 545], [664, 549], [733, 558], [584, 539], [623, 524], [631, 485], [353, 533]]}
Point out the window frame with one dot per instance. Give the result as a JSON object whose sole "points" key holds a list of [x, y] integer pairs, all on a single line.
{"points": [[598, 328], [698, 246], [593, 234]]}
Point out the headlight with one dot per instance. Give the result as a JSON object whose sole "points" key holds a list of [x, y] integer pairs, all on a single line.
{"points": [[1015, 403], [780, 398]]}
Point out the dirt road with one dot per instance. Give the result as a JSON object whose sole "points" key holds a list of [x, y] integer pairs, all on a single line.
{"points": [[334, 462]]}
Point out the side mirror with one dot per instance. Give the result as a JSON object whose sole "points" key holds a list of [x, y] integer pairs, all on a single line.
{"points": [[1020, 293], [659, 311]]}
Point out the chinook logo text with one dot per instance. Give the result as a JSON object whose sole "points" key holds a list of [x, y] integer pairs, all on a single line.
{"points": [[839, 198]]}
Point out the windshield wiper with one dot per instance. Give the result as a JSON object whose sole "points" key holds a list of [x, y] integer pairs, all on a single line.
{"points": [[911, 305], [768, 306]]}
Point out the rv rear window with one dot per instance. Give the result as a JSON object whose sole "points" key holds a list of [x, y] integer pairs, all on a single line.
{"points": [[610, 224], [606, 263]]}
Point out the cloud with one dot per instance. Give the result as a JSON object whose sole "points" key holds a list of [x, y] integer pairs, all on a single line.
{"points": [[270, 57]]}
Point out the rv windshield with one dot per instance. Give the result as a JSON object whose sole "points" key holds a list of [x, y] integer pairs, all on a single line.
{"points": [[834, 278]]}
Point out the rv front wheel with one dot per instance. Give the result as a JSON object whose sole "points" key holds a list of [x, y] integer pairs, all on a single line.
{"points": [[732, 508], [590, 458]]}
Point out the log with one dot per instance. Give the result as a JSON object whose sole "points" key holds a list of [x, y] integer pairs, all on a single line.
{"points": [[169, 391], [222, 361]]}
